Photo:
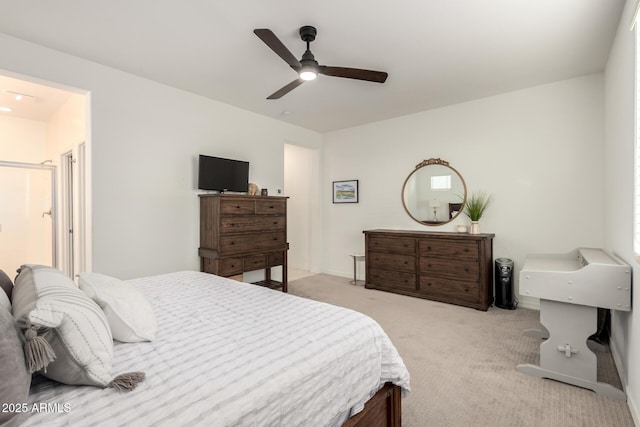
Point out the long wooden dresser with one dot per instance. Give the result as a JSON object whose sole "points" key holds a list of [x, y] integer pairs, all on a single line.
{"points": [[241, 233], [455, 268]]}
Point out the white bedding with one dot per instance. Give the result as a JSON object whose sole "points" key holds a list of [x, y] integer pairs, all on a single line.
{"points": [[233, 354]]}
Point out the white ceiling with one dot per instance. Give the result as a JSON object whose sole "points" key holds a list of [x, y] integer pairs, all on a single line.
{"points": [[436, 52]]}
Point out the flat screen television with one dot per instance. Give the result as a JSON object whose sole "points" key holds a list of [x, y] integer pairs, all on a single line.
{"points": [[216, 173]]}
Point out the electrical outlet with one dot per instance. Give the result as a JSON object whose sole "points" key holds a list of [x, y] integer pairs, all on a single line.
{"points": [[279, 191]]}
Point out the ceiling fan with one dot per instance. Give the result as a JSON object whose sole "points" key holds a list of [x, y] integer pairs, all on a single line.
{"points": [[307, 67]]}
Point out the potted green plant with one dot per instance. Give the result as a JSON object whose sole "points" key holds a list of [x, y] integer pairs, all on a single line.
{"points": [[474, 207]]}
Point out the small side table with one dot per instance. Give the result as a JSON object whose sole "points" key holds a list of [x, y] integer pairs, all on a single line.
{"points": [[356, 258]]}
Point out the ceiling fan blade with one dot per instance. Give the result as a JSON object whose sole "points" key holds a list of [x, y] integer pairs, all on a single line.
{"points": [[286, 89], [353, 73], [276, 45]]}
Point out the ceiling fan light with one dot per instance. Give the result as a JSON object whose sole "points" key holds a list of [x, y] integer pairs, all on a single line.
{"points": [[308, 73]]}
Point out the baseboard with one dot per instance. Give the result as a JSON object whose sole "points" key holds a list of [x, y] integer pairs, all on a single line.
{"points": [[343, 274], [634, 411], [533, 305], [617, 359]]}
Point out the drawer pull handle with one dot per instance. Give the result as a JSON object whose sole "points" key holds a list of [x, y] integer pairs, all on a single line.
{"points": [[233, 243]]}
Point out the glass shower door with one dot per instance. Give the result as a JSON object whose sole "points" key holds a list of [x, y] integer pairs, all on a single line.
{"points": [[27, 215]]}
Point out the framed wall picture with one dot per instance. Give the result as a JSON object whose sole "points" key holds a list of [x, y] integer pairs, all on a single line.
{"points": [[345, 191]]}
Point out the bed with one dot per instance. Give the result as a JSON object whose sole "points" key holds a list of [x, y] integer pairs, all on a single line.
{"points": [[228, 353]]}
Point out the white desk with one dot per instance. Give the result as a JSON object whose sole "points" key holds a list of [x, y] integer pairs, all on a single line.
{"points": [[570, 287]]}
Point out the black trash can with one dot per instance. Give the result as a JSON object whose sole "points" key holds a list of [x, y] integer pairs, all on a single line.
{"points": [[503, 289]]}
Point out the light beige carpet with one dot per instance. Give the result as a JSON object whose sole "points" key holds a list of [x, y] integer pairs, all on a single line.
{"points": [[462, 362]]}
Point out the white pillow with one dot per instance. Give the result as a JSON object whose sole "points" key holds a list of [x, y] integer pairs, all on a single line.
{"points": [[67, 335], [131, 317]]}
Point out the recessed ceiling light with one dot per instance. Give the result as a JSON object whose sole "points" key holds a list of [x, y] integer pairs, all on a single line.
{"points": [[19, 96], [6, 109]]}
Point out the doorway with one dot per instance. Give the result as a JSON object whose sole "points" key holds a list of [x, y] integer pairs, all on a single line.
{"points": [[301, 184], [68, 245], [72, 179], [40, 122]]}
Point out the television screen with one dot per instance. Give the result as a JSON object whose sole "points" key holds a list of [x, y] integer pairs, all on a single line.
{"points": [[216, 173]]}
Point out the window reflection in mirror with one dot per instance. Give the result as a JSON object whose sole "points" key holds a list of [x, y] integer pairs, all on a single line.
{"points": [[440, 182]]}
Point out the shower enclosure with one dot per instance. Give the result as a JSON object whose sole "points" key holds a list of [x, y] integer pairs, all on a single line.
{"points": [[27, 215]]}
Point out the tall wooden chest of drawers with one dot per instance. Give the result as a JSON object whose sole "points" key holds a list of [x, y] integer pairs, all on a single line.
{"points": [[241, 233], [455, 268]]}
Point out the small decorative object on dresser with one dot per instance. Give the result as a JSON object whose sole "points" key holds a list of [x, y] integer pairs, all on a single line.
{"points": [[253, 189], [243, 233], [474, 208], [455, 268]]}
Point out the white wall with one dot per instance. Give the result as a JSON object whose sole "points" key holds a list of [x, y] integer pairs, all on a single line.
{"points": [[538, 151], [66, 128], [618, 163], [22, 140], [144, 139]]}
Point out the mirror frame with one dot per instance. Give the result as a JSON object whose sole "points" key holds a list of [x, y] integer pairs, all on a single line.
{"points": [[421, 165]]}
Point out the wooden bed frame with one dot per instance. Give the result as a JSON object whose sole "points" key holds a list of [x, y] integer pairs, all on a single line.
{"points": [[384, 409]]}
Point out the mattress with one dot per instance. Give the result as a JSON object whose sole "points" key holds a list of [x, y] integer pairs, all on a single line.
{"points": [[233, 354]]}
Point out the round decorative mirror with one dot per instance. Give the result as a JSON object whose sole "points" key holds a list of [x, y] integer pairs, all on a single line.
{"points": [[434, 193]]}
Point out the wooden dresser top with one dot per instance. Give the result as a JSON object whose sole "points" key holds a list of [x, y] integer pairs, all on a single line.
{"points": [[242, 196], [432, 234]]}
